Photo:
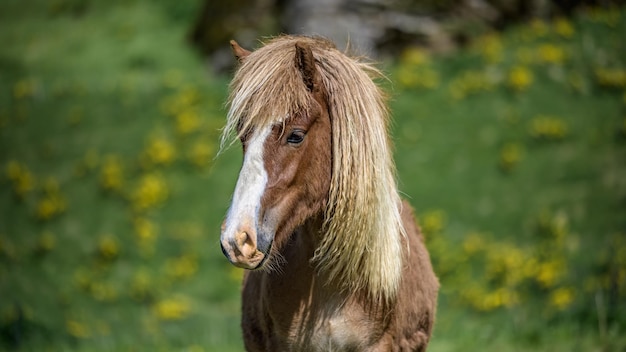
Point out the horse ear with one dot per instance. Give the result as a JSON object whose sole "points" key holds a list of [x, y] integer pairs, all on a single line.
{"points": [[305, 62], [239, 52]]}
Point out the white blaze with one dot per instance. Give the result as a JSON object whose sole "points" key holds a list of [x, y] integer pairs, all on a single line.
{"points": [[244, 209]]}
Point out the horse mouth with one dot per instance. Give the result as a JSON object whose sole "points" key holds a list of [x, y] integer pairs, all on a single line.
{"points": [[253, 263], [250, 261]]}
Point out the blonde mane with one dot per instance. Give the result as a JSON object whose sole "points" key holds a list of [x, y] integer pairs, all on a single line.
{"points": [[361, 242]]}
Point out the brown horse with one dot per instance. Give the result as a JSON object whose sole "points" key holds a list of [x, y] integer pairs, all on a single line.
{"points": [[316, 208]]}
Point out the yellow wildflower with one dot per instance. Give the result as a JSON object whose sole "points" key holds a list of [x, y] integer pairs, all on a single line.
{"points": [[145, 232], [183, 100], [417, 77], [187, 121], [608, 16], [111, 174], [470, 82], [52, 203], [189, 96], [510, 156], [473, 243], [24, 184], [577, 82], [21, 178], [501, 297], [555, 227], [530, 268], [152, 191], [551, 54], [433, 222], [520, 78], [563, 27], [13, 170], [548, 273], [141, 287], [77, 329], [103, 292], [201, 154], [504, 262], [172, 309], [50, 185], [144, 229], [415, 56], [182, 268], [108, 247], [611, 77], [490, 47], [159, 151], [46, 208], [539, 28], [562, 297], [472, 294], [547, 128], [82, 279]]}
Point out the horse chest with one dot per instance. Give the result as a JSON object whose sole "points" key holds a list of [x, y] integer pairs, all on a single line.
{"points": [[338, 333], [325, 326]]}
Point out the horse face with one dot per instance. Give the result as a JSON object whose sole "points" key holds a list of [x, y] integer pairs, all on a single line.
{"points": [[284, 180]]}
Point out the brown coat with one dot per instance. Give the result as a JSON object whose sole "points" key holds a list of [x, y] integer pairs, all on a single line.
{"points": [[295, 310], [338, 263]]}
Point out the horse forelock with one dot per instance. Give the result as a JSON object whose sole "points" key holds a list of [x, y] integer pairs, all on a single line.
{"points": [[361, 244], [266, 89]]}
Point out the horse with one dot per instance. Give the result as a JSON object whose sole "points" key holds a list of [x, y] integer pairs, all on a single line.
{"points": [[335, 260]]}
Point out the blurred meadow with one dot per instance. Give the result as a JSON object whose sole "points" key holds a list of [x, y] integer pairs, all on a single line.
{"points": [[512, 151]]}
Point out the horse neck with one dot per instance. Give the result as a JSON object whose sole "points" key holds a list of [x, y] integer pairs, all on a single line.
{"points": [[296, 268], [303, 242], [297, 293]]}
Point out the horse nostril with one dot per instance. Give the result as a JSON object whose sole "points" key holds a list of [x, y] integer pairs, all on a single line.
{"points": [[241, 238], [245, 244]]}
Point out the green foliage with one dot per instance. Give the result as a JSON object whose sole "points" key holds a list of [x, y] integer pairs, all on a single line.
{"points": [[109, 202], [516, 161], [511, 151]]}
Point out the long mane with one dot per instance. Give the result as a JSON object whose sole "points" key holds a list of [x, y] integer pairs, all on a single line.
{"points": [[361, 245]]}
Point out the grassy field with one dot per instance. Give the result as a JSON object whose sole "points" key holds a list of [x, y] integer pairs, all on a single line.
{"points": [[512, 151]]}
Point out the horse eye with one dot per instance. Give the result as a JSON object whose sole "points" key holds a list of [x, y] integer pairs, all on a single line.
{"points": [[296, 137]]}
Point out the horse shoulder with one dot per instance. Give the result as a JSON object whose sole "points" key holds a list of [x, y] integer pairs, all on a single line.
{"points": [[254, 324], [416, 305]]}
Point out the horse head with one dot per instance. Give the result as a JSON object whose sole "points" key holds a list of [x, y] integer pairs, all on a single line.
{"points": [[286, 172]]}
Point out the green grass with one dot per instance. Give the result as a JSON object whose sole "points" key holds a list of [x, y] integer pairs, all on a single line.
{"points": [[107, 115]]}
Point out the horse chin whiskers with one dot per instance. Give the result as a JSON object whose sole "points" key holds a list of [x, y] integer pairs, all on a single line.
{"points": [[274, 263]]}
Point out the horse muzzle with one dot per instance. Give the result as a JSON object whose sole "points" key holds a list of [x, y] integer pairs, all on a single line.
{"points": [[246, 249]]}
